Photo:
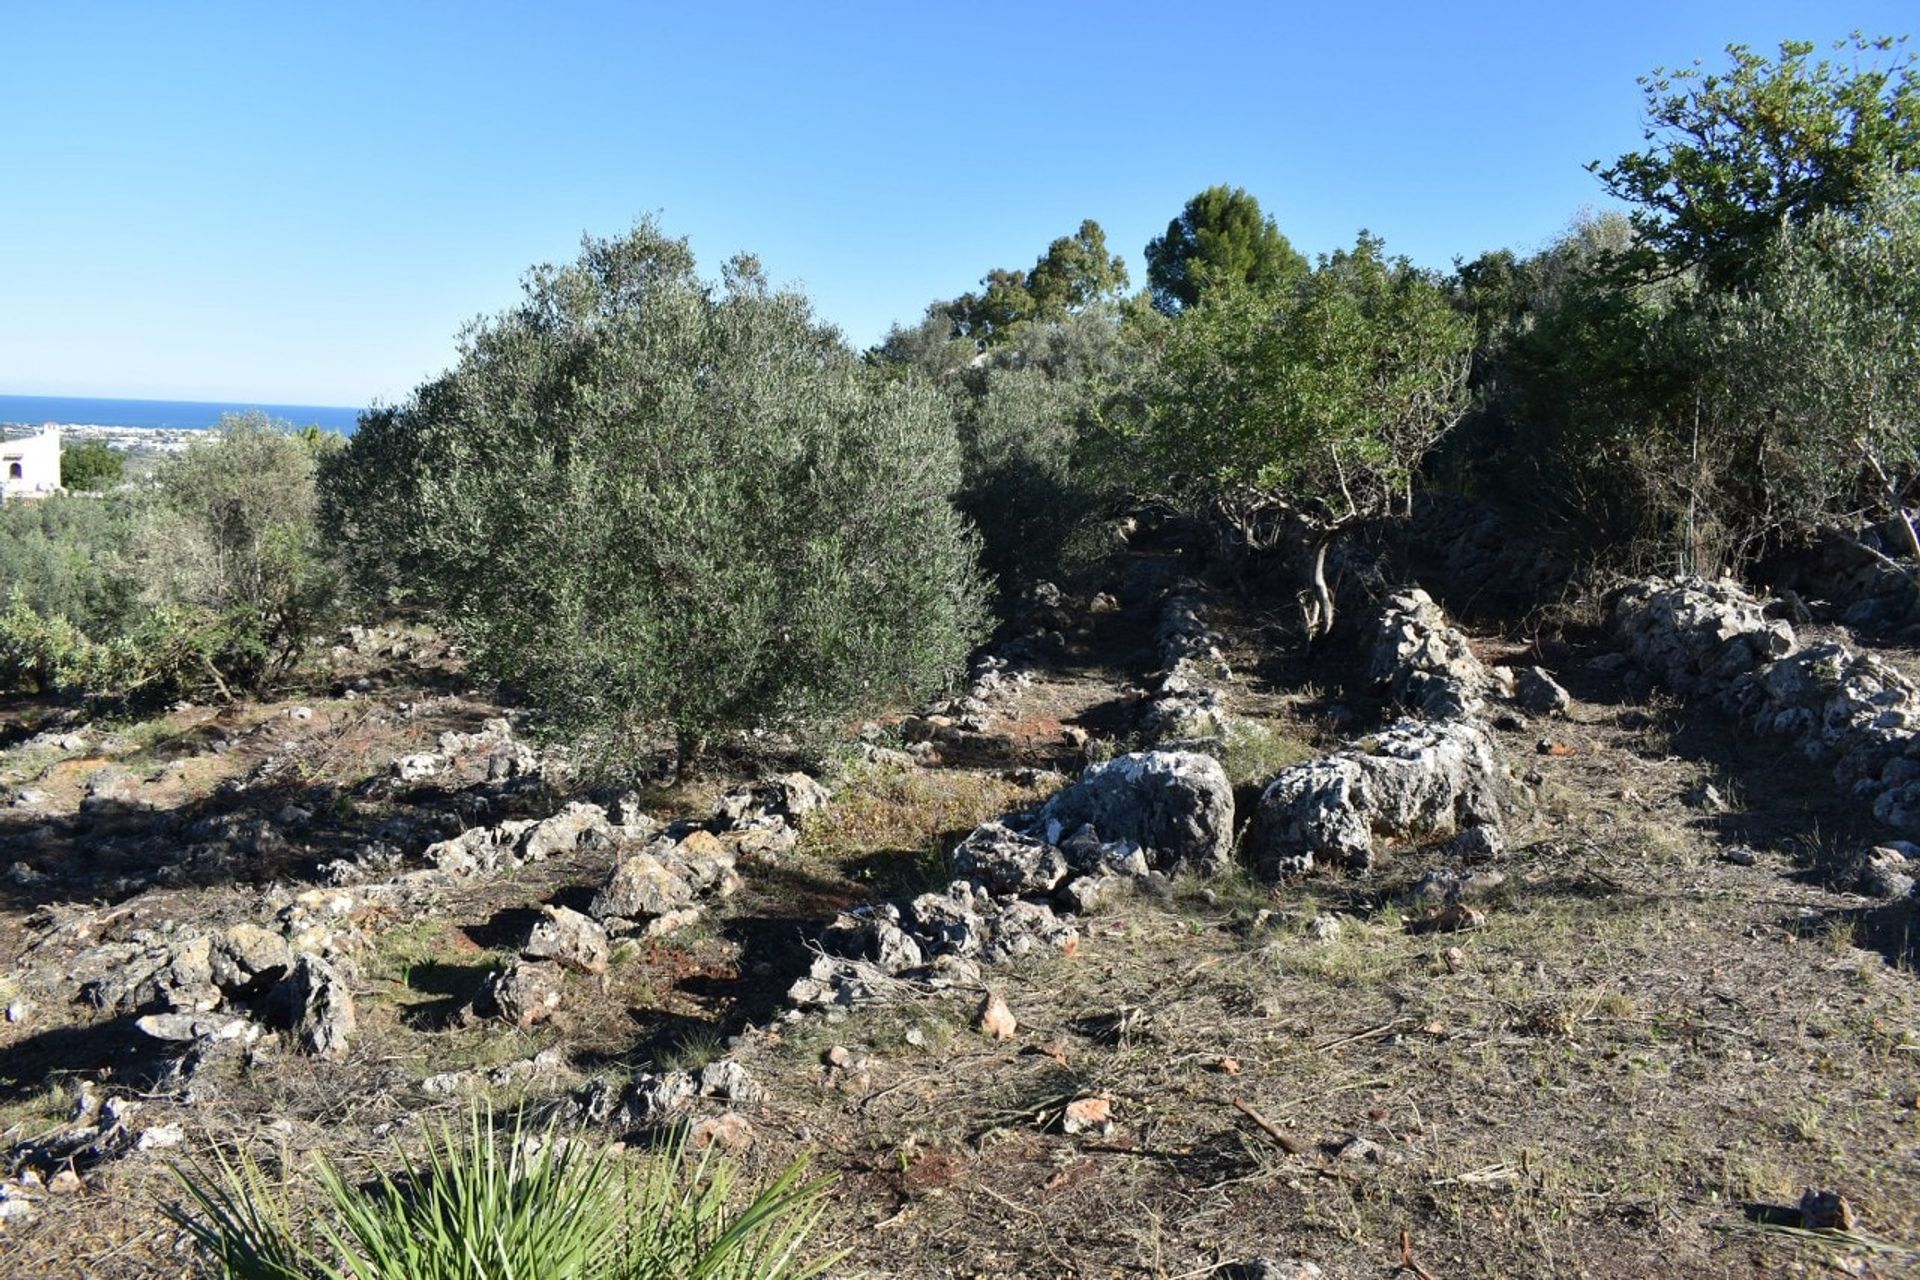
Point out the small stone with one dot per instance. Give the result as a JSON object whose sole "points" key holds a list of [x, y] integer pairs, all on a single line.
{"points": [[727, 1079], [160, 1137], [1453, 960], [1707, 796], [64, 1183], [1088, 1115], [526, 991], [1268, 1269], [1355, 1147], [1539, 692], [1324, 927], [415, 767], [728, 1132], [838, 1056], [1453, 918], [1740, 856], [1825, 1211], [18, 1011], [995, 1019]]}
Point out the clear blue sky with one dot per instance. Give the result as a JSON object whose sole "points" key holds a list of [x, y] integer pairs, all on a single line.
{"points": [[304, 203]]}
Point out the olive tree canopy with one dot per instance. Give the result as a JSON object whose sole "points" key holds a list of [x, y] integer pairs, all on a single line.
{"points": [[659, 506]]}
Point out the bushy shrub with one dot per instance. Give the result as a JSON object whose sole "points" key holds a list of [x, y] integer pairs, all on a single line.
{"points": [[70, 557], [230, 540], [208, 579], [484, 1205], [1031, 445], [91, 464], [1295, 413], [661, 507]]}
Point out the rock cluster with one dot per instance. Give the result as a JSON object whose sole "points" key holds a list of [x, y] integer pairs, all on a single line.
{"points": [[1697, 636], [994, 682], [1417, 779], [211, 997], [98, 1129], [1849, 710], [1023, 878], [1425, 661], [1184, 704]]}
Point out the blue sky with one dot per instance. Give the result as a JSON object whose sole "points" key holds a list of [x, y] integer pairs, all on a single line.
{"points": [[304, 204]]}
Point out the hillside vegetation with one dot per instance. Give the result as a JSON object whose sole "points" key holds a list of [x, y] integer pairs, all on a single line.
{"points": [[1303, 768]]}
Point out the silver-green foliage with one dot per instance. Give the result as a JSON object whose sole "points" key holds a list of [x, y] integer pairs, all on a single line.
{"points": [[1813, 374], [492, 1205], [210, 578], [658, 505]]}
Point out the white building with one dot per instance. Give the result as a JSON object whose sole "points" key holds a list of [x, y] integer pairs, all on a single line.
{"points": [[30, 467]]}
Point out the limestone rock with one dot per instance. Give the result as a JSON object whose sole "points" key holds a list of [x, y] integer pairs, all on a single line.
{"points": [[726, 1079], [1539, 693], [526, 991], [1008, 862], [1424, 661], [246, 960], [575, 826], [653, 1097], [641, 886], [1177, 806], [1697, 636], [1417, 779], [570, 939], [995, 1019], [323, 1017], [419, 766]]}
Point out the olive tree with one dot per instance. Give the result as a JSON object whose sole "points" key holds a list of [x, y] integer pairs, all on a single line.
{"points": [[662, 507], [1296, 413], [1813, 377]]}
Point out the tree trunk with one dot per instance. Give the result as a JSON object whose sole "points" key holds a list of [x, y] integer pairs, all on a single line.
{"points": [[1318, 608], [688, 745]]}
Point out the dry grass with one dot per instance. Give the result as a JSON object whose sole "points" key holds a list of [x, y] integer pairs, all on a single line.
{"points": [[1643, 1046]]}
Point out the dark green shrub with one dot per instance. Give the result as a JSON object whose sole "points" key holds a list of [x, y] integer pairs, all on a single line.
{"points": [[91, 464]]}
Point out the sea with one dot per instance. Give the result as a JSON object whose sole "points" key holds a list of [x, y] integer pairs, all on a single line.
{"points": [[74, 411]]}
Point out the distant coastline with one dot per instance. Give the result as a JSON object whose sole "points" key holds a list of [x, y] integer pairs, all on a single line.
{"points": [[164, 415]]}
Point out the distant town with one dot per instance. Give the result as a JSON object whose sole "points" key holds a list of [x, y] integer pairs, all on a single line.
{"points": [[126, 439]]}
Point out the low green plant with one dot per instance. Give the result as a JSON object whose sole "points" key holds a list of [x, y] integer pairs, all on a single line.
{"points": [[486, 1205]]}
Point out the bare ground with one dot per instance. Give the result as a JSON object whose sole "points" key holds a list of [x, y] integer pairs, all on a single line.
{"points": [[1638, 1061]]}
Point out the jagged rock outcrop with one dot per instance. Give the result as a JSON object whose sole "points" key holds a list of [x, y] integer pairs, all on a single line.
{"points": [[322, 1008], [1417, 779], [1425, 661], [1697, 636], [1850, 710], [1176, 806]]}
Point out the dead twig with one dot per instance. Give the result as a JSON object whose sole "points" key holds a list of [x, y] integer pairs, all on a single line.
{"points": [[1407, 1260], [1370, 1033], [1292, 1146]]}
